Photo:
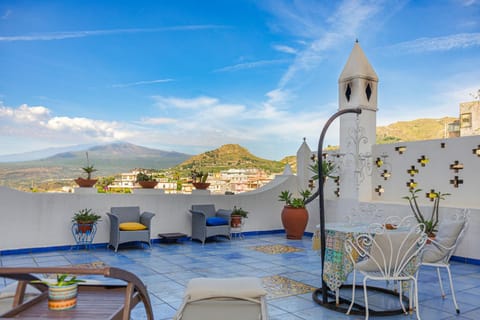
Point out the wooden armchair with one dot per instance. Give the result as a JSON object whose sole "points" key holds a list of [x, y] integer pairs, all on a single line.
{"points": [[95, 301]]}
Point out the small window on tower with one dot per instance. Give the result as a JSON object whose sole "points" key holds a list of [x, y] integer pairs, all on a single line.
{"points": [[368, 92], [348, 92], [465, 120]]}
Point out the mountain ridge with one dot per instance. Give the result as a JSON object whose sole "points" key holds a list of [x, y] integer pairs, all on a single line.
{"points": [[120, 157]]}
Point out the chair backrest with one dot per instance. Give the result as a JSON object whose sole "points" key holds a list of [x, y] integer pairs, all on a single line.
{"points": [[207, 209], [387, 252], [449, 235], [126, 214], [395, 222]]}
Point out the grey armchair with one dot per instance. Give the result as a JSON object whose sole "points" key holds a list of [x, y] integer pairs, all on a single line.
{"points": [[203, 227], [119, 215]]}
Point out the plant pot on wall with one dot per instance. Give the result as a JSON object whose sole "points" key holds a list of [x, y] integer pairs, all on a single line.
{"points": [[294, 222], [85, 183], [148, 184], [201, 185]]}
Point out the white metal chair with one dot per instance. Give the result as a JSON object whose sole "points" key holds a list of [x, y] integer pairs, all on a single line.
{"points": [[382, 254], [438, 253]]}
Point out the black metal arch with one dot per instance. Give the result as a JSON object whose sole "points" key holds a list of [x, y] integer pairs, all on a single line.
{"points": [[358, 309]]}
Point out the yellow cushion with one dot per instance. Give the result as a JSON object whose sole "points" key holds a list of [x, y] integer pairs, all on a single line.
{"points": [[132, 226]]}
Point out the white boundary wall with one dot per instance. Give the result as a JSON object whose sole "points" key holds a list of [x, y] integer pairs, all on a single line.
{"points": [[36, 220]]}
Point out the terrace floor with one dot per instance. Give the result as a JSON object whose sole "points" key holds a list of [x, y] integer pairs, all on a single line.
{"points": [[289, 275]]}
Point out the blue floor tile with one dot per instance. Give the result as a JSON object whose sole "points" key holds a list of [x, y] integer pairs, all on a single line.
{"points": [[166, 269]]}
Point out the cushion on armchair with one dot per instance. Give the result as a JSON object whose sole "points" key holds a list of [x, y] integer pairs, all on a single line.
{"points": [[216, 221], [132, 226]]}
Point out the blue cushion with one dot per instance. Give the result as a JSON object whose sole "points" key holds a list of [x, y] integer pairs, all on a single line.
{"points": [[216, 221]]}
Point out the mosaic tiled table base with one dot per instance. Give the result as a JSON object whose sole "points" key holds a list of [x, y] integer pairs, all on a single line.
{"points": [[275, 249], [278, 286]]}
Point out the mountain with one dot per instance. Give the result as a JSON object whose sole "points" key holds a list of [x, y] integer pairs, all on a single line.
{"points": [[419, 129], [108, 159], [43, 153], [229, 156]]}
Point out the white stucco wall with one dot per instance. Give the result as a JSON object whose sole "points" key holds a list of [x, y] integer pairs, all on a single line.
{"points": [[33, 220], [436, 174]]}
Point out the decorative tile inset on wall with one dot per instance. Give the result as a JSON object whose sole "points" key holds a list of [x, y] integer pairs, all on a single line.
{"points": [[401, 149], [456, 182]]}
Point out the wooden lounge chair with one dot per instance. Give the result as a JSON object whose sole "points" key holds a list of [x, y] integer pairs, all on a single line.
{"points": [[95, 300]]}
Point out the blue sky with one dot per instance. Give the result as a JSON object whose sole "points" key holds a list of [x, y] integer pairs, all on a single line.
{"points": [[192, 75]]}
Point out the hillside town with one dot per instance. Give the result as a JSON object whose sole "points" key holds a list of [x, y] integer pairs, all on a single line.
{"points": [[231, 181]]}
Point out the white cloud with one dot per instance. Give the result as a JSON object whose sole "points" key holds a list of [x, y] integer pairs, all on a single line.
{"points": [[158, 121], [7, 14], [468, 3], [251, 65], [24, 113], [455, 41], [227, 110], [182, 103], [342, 25], [140, 83], [48, 36], [285, 49], [36, 122]]}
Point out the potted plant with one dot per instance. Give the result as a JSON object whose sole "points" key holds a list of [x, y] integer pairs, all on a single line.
{"points": [[88, 182], [62, 294], [85, 219], [236, 217], [146, 181], [432, 222], [199, 179], [294, 213]]}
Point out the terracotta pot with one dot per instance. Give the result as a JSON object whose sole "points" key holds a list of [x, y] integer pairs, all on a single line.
{"points": [[84, 227], [85, 183], [431, 237], [201, 185], [294, 222], [62, 298], [235, 221], [148, 184]]}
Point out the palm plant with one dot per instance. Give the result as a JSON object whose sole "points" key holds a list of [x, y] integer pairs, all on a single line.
{"points": [[89, 169]]}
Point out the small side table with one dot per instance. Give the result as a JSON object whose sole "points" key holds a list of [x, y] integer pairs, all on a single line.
{"points": [[237, 232], [171, 237], [84, 237]]}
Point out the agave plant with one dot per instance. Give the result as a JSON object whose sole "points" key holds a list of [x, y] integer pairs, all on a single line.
{"points": [[287, 197], [328, 168], [62, 281]]}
